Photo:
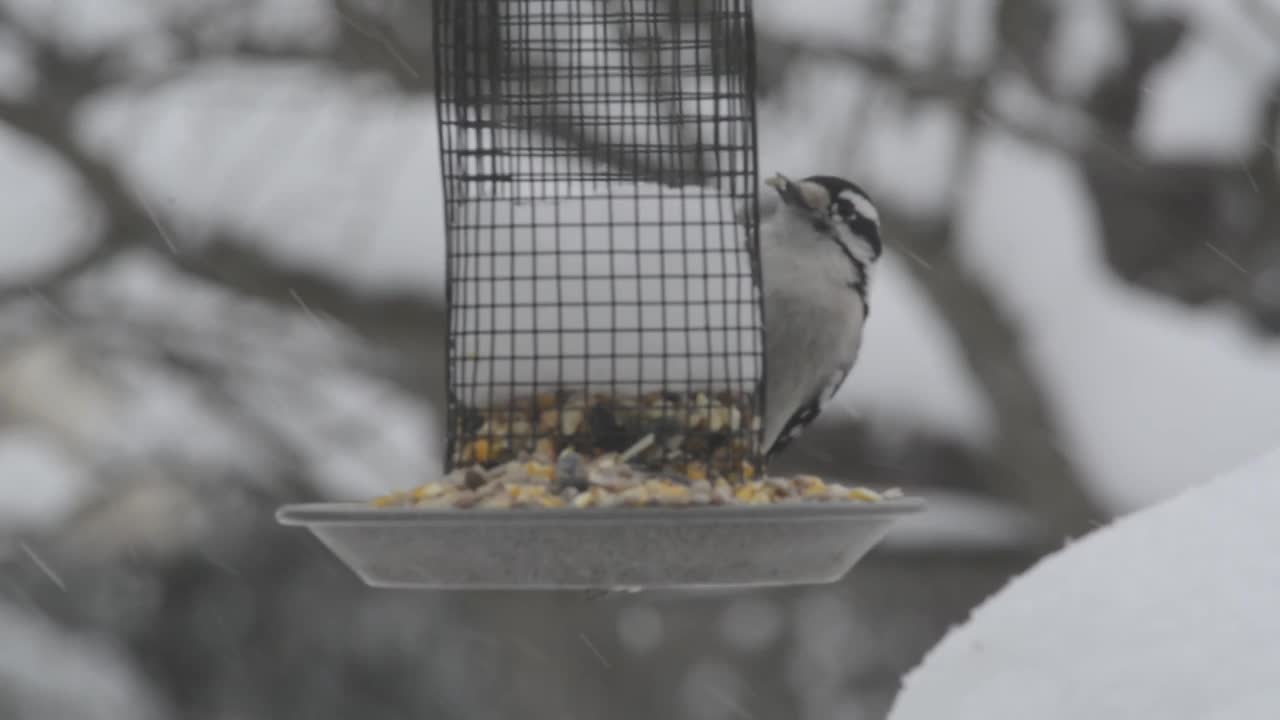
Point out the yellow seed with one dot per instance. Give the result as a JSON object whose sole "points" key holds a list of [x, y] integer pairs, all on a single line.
{"points": [[394, 498], [671, 492], [570, 419], [863, 494], [527, 493], [748, 470], [638, 495], [818, 489], [743, 493], [586, 499], [539, 470], [481, 451], [430, 490], [520, 429], [551, 501], [696, 471]]}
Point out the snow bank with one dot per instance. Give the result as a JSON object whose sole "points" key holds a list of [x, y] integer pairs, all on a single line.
{"points": [[1168, 613]]}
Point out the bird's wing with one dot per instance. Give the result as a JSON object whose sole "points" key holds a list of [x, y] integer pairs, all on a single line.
{"points": [[809, 411]]}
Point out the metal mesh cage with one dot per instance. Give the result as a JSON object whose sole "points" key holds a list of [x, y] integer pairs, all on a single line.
{"points": [[600, 199]]}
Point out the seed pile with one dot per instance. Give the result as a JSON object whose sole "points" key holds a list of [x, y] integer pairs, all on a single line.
{"points": [[572, 480], [663, 433]]}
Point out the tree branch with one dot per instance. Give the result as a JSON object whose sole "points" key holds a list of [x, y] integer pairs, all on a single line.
{"points": [[411, 325]]}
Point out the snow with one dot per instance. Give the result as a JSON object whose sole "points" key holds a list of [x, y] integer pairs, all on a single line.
{"points": [[62, 674], [1151, 396], [1087, 43], [341, 179], [17, 77], [912, 26], [41, 221], [1205, 101], [849, 20], [39, 481], [1167, 613], [908, 352]]}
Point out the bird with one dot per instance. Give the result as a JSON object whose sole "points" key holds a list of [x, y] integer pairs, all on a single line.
{"points": [[819, 241], [818, 244]]}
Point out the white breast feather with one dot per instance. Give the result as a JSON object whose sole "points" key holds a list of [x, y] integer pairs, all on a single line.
{"points": [[814, 320]]}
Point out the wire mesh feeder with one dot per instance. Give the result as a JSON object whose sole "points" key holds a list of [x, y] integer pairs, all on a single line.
{"points": [[605, 339]]}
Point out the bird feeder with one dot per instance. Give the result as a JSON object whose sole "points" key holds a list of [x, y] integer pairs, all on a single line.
{"points": [[605, 321]]}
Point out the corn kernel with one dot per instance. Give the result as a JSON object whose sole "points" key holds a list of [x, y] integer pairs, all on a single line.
{"points": [[430, 490], [672, 492], [394, 498], [586, 499], [539, 470], [545, 449], [481, 451], [748, 470], [527, 493], [638, 495], [570, 419], [696, 471], [818, 489], [863, 494]]}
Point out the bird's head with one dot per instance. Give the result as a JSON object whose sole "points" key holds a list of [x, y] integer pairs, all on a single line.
{"points": [[836, 208]]}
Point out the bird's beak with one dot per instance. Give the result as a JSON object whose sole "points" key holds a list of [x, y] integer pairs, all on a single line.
{"points": [[791, 192], [787, 190]]}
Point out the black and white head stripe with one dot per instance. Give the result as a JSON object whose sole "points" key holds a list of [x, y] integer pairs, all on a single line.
{"points": [[845, 200]]}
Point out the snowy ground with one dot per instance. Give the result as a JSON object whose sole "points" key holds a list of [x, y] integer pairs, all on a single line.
{"points": [[1168, 613]]}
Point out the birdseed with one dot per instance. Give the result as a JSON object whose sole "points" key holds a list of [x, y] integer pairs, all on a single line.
{"points": [[571, 480], [664, 433]]}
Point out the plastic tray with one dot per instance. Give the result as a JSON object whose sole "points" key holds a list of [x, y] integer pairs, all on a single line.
{"points": [[599, 548]]}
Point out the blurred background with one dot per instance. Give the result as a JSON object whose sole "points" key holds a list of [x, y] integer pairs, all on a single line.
{"points": [[221, 290]]}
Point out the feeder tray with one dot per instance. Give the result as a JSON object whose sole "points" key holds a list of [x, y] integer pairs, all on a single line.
{"points": [[600, 548]]}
